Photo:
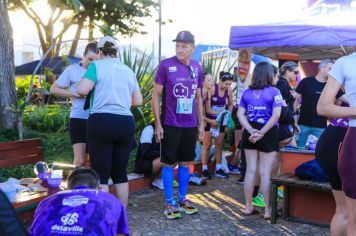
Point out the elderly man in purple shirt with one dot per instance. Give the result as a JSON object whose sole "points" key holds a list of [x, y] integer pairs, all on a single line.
{"points": [[82, 210], [179, 81]]}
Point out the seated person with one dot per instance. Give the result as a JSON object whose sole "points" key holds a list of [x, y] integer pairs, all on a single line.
{"points": [[81, 210], [148, 161]]}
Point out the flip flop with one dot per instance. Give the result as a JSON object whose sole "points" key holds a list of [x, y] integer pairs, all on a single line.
{"points": [[253, 212]]}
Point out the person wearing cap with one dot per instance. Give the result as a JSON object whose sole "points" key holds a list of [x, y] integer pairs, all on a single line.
{"points": [[66, 86], [111, 126], [180, 120], [80, 210]]}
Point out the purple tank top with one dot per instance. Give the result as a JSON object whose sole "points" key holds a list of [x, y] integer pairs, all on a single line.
{"points": [[217, 103]]}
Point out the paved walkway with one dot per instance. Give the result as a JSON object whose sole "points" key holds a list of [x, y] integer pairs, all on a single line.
{"points": [[220, 206]]}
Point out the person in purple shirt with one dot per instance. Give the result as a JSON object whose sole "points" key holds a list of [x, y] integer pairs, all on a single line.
{"points": [[81, 210], [259, 111], [179, 81]]}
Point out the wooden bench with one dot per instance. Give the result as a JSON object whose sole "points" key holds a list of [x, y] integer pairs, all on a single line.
{"points": [[304, 200], [21, 153], [292, 158]]}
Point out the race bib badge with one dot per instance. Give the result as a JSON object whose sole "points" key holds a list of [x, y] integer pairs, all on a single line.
{"points": [[184, 105]]}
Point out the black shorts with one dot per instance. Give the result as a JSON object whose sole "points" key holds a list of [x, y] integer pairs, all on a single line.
{"points": [[78, 130], [178, 144], [327, 153], [269, 142], [285, 131]]}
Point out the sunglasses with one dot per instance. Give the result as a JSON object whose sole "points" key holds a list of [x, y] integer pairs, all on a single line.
{"points": [[296, 72], [192, 72]]}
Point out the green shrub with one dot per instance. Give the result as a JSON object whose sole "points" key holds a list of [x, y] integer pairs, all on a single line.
{"points": [[47, 118]]}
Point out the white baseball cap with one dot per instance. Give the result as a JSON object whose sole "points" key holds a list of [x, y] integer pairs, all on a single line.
{"points": [[105, 39]]}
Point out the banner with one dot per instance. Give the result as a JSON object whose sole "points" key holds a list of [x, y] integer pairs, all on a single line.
{"points": [[244, 63]]}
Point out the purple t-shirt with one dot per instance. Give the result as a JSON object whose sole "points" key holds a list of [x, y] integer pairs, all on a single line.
{"points": [[259, 103], [180, 83], [80, 212]]}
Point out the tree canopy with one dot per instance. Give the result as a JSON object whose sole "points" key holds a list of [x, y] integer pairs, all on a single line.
{"points": [[114, 16]]}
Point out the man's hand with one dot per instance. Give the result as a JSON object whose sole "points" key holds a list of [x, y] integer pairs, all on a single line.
{"points": [[159, 132], [201, 131], [297, 127]]}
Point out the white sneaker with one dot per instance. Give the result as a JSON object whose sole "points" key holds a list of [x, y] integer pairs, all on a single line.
{"points": [[158, 183]]}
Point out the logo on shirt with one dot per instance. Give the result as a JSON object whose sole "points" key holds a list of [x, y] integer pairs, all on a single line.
{"points": [[74, 201], [180, 91], [68, 226], [172, 69], [278, 98]]}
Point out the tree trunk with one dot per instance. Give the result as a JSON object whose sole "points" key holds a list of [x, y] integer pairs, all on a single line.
{"points": [[74, 46], [7, 70], [91, 29]]}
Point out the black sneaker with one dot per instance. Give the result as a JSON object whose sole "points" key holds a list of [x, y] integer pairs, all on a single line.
{"points": [[206, 174], [221, 174], [241, 180]]}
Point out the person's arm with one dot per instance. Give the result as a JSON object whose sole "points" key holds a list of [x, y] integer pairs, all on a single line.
{"points": [[230, 102], [200, 114], [241, 115], [276, 112], [326, 106], [156, 95], [85, 86], [87, 83], [57, 90], [208, 105], [136, 98]]}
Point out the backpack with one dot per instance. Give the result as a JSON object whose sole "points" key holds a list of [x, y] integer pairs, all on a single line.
{"points": [[311, 170]]}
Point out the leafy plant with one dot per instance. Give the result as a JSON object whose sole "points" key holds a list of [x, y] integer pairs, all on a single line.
{"points": [[47, 118], [141, 66]]}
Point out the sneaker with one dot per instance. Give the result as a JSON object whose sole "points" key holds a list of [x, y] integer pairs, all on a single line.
{"points": [[280, 192], [221, 174], [258, 201], [175, 184], [241, 180], [172, 212], [158, 183], [196, 180], [187, 207], [234, 169], [206, 174]]}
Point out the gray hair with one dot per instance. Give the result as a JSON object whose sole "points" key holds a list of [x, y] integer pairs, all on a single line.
{"points": [[324, 63]]}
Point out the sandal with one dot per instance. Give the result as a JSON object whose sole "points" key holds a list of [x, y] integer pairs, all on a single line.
{"points": [[253, 212]]}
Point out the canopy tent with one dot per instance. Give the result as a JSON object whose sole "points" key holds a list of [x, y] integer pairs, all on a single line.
{"points": [[310, 42], [56, 65]]}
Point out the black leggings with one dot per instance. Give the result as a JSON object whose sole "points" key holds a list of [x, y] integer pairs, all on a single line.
{"points": [[110, 140]]}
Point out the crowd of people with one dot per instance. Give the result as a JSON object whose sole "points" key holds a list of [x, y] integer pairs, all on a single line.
{"points": [[190, 109]]}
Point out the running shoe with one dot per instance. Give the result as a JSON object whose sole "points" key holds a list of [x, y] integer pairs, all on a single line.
{"points": [[241, 180], [234, 169], [221, 174], [280, 192], [258, 201], [187, 207], [175, 184], [196, 180], [172, 212], [158, 183], [206, 174]]}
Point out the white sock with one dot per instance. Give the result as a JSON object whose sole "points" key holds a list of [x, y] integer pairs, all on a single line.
{"points": [[205, 167], [218, 167]]}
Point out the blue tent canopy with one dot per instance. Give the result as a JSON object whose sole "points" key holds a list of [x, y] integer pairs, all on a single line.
{"points": [[309, 41], [56, 65]]}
